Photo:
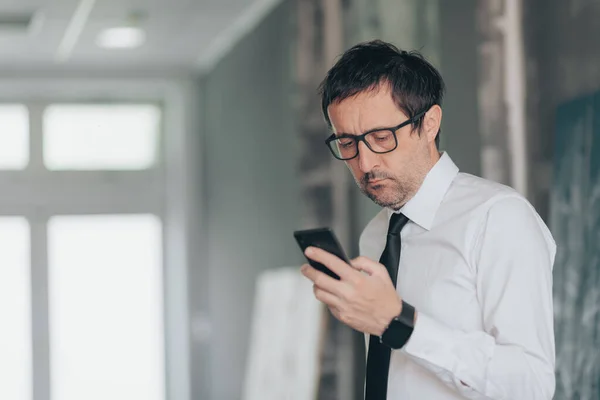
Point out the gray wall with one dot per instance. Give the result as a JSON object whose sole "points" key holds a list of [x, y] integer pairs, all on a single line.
{"points": [[459, 40], [251, 190], [563, 62], [561, 38]]}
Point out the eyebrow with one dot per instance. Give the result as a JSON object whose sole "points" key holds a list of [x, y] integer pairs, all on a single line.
{"points": [[381, 128]]}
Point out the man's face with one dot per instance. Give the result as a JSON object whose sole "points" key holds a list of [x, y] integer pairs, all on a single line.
{"points": [[390, 179]]}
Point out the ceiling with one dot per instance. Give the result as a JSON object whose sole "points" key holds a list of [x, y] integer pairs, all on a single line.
{"points": [[180, 34]]}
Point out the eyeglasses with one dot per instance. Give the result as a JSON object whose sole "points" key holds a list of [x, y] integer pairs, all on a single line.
{"points": [[380, 141]]}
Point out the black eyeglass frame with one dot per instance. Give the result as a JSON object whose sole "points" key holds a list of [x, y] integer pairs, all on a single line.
{"points": [[361, 138]]}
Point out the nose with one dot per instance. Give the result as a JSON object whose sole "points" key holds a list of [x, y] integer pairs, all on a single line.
{"points": [[367, 160]]}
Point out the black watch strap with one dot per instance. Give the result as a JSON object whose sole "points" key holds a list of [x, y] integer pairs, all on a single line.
{"points": [[400, 329]]}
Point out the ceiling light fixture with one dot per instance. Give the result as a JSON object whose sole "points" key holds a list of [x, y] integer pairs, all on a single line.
{"points": [[125, 37]]}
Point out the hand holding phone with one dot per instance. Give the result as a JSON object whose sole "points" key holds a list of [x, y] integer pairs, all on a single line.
{"points": [[325, 239]]}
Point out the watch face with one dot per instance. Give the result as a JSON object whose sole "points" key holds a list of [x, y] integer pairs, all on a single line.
{"points": [[396, 335], [400, 329]]}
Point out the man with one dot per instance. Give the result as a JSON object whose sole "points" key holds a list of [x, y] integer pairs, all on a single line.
{"points": [[460, 303]]}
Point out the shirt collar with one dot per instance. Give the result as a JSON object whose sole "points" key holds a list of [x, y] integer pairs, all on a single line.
{"points": [[421, 209]]}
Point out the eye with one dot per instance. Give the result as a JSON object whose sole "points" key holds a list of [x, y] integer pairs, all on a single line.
{"points": [[382, 136], [346, 142]]}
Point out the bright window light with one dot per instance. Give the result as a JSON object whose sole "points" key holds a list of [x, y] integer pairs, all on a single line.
{"points": [[121, 38], [101, 137], [14, 136], [15, 310], [106, 307]]}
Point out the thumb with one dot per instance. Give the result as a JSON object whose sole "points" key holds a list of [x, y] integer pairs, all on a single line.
{"points": [[367, 265]]}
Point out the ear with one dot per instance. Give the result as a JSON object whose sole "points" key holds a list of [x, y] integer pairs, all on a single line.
{"points": [[432, 122]]}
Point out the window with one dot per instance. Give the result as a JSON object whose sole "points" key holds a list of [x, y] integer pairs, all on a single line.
{"points": [[14, 136], [82, 216], [105, 283], [100, 137], [15, 309]]}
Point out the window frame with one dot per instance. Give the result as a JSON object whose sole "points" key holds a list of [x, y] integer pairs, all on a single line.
{"points": [[37, 194], [4, 103]]}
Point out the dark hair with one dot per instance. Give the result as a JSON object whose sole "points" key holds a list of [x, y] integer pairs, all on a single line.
{"points": [[416, 84]]}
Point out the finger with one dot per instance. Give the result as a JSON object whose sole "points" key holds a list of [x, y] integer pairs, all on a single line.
{"points": [[367, 265], [325, 297], [334, 263], [320, 279]]}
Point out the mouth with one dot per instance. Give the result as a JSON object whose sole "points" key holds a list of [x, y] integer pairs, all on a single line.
{"points": [[375, 181]]}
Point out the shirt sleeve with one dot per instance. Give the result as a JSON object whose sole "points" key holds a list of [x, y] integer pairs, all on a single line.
{"points": [[513, 357]]}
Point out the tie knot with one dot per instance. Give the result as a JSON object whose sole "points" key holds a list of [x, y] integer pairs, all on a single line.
{"points": [[397, 222]]}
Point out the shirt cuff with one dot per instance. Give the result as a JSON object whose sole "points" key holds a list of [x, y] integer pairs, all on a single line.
{"points": [[429, 340], [434, 344]]}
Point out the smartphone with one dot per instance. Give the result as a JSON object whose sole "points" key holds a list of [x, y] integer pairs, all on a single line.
{"points": [[325, 239]]}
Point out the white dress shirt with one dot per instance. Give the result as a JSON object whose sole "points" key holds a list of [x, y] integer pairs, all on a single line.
{"points": [[476, 263]]}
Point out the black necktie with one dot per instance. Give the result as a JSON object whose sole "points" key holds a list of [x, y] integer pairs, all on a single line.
{"points": [[378, 359]]}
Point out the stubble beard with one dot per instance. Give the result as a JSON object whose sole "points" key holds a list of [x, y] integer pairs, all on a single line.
{"points": [[391, 194], [395, 191]]}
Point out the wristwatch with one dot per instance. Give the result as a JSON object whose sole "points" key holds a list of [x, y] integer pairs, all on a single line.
{"points": [[399, 330]]}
